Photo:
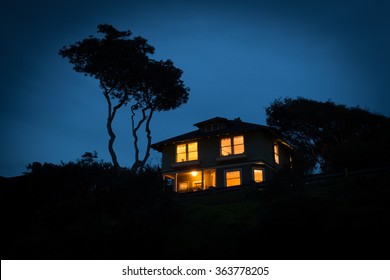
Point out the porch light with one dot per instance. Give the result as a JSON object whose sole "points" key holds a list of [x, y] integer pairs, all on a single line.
{"points": [[194, 173]]}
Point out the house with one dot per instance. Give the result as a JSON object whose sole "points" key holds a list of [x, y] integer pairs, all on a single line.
{"points": [[222, 153]]}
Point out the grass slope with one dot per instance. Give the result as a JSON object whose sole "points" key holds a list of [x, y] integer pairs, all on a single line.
{"points": [[346, 218]]}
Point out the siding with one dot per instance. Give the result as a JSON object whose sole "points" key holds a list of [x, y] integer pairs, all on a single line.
{"points": [[258, 147]]}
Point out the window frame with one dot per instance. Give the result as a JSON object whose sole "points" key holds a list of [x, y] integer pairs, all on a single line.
{"points": [[232, 146], [276, 153], [187, 152], [262, 173], [232, 170]]}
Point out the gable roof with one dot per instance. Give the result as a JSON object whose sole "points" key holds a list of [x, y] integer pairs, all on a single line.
{"points": [[230, 127]]}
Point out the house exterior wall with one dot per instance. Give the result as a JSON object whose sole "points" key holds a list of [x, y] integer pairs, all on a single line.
{"points": [[168, 157], [285, 157], [259, 147], [208, 151], [259, 152]]}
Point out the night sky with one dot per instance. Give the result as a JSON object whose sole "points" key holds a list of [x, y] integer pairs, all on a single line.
{"points": [[237, 57]]}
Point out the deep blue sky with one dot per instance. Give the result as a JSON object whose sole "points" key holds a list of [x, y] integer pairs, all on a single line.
{"points": [[237, 57]]}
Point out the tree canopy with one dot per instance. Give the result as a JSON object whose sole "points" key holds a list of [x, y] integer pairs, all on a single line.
{"points": [[162, 90], [128, 77], [330, 135]]}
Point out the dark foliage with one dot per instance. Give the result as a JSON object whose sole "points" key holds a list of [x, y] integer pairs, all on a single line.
{"points": [[117, 61], [81, 210], [128, 76], [334, 136], [89, 210]]}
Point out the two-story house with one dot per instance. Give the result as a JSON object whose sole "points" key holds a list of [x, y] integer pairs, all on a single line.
{"points": [[222, 153]]}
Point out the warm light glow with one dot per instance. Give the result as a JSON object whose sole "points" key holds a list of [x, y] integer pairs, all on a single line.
{"points": [[258, 175], [232, 146], [233, 178], [226, 147], [194, 173], [187, 152], [276, 153], [193, 151]]}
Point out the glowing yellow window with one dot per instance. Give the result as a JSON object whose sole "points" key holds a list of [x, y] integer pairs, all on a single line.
{"points": [[193, 151], [233, 178], [232, 145], [181, 152], [238, 145], [276, 153], [258, 175], [187, 152], [226, 147]]}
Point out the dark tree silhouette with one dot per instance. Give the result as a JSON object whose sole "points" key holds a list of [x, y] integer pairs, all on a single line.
{"points": [[162, 90], [117, 62], [334, 136], [127, 75]]}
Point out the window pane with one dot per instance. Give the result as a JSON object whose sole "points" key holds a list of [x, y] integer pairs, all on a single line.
{"points": [[239, 149], [258, 175], [183, 186], [209, 178], [181, 157], [193, 146], [181, 153], [226, 148], [233, 182], [225, 142], [238, 145], [232, 174], [238, 140], [276, 153], [226, 151], [193, 155], [233, 178], [181, 148]]}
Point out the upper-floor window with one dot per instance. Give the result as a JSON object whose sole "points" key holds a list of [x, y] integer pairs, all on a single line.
{"points": [[276, 153], [187, 152], [232, 145]]}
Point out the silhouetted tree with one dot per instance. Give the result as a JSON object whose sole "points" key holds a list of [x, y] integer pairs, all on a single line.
{"points": [[127, 75], [162, 90], [334, 136], [117, 62]]}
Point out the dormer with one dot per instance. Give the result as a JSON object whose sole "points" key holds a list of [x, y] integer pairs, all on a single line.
{"points": [[213, 124]]}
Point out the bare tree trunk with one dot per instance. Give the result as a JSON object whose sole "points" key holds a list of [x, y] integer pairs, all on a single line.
{"points": [[135, 128], [138, 164], [110, 119], [149, 136]]}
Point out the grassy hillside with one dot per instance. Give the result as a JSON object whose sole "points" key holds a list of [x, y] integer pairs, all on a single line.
{"points": [[346, 218], [343, 219]]}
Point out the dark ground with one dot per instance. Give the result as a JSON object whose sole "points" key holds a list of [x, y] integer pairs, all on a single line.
{"points": [[344, 218]]}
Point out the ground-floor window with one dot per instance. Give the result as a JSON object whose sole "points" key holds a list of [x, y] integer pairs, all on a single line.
{"points": [[258, 175], [194, 180], [232, 178], [209, 178], [183, 186]]}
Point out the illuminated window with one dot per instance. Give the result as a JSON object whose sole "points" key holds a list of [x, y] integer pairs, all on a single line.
{"points": [[276, 153], [233, 178], [187, 152], [183, 186], [258, 176], [232, 145]]}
